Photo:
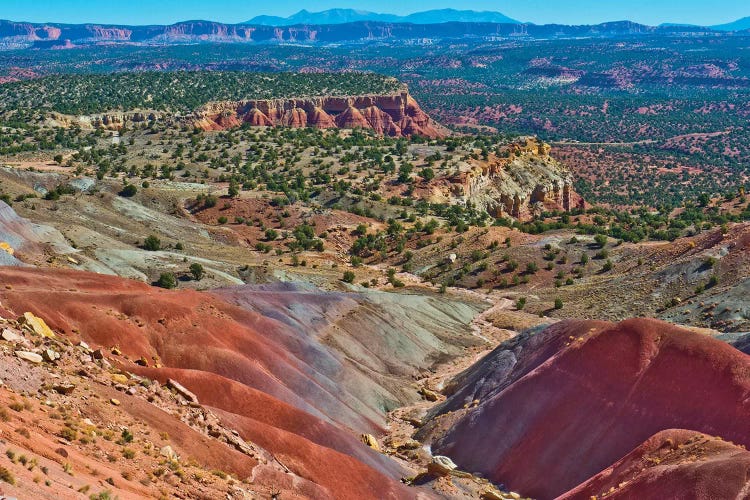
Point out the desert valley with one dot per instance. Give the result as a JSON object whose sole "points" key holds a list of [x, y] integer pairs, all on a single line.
{"points": [[346, 255]]}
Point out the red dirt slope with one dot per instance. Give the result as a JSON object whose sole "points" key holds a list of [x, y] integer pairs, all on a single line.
{"points": [[603, 394], [233, 360], [673, 464]]}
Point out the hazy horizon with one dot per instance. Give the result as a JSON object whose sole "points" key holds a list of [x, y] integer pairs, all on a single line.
{"points": [[143, 12]]}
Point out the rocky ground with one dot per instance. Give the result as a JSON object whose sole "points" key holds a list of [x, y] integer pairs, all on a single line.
{"points": [[273, 372], [74, 424]]}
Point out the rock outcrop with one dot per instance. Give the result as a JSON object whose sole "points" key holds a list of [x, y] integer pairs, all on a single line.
{"points": [[111, 120], [521, 181], [393, 115]]}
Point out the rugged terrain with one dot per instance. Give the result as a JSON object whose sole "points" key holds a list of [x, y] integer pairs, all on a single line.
{"points": [[266, 390], [618, 108], [522, 183], [299, 376], [223, 284]]}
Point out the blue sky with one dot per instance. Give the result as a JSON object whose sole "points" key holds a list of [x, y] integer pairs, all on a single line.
{"points": [[232, 11]]}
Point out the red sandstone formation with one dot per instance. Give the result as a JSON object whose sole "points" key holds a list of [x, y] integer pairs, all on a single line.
{"points": [[320, 119], [673, 464], [352, 118], [562, 416], [393, 115]]}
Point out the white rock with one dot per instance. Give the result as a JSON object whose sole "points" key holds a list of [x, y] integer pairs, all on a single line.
{"points": [[11, 336], [441, 466], [31, 357], [182, 390], [168, 452]]}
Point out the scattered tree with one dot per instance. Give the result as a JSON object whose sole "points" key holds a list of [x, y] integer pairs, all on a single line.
{"points": [[197, 271]]}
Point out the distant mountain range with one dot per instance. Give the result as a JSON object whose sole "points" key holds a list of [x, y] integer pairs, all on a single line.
{"points": [[334, 26], [343, 16], [738, 25], [437, 16]]}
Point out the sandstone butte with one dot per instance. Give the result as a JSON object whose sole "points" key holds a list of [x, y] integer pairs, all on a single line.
{"points": [[587, 393], [394, 115]]}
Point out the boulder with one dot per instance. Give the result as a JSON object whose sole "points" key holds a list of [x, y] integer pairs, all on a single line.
{"points": [[182, 391], [11, 336], [492, 494], [168, 453], [428, 394], [50, 355], [36, 324], [31, 357], [65, 389], [370, 441], [441, 466]]}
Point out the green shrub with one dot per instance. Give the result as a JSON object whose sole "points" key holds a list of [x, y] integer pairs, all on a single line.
{"points": [[128, 191], [167, 280], [152, 243]]}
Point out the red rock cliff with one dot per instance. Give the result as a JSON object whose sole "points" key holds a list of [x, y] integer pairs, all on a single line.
{"points": [[394, 115]]}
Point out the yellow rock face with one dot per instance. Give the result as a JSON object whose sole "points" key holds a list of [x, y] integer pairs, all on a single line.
{"points": [[38, 325], [370, 441], [6, 248]]}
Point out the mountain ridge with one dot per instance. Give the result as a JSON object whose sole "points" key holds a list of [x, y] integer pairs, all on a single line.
{"points": [[15, 35], [343, 16], [741, 24]]}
